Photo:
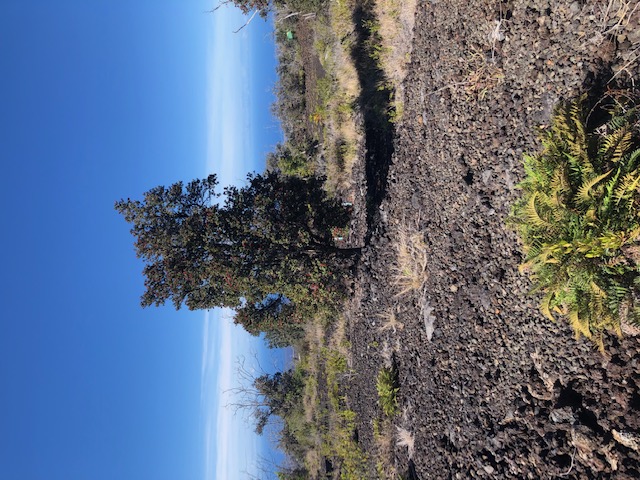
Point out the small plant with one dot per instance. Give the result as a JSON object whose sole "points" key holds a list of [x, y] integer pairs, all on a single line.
{"points": [[383, 446], [390, 321], [406, 439], [387, 386], [578, 217], [411, 260], [484, 74]]}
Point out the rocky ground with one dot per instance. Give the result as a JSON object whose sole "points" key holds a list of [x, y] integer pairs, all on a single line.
{"points": [[488, 387]]}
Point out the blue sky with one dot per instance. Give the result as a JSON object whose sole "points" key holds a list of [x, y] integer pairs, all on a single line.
{"points": [[104, 99]]}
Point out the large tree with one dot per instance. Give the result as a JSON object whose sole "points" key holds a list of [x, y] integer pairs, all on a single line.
{"points": [[271, 239]]}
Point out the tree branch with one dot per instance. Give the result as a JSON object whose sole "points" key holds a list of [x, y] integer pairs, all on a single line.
{"points": [[248, 21]]}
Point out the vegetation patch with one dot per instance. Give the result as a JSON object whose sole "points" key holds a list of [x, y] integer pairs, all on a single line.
{"points": [[395, 19], [384, 448], [578, 215], [387, 387], [411, 260]]}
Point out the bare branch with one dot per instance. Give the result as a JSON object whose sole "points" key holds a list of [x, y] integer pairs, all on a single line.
{"points": [[220, 4], [248, 21]]}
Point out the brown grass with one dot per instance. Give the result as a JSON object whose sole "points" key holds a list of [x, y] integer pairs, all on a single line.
{"points": [[390, 321], [396, 20], [384, 445], [404, 438], [411, 260]]}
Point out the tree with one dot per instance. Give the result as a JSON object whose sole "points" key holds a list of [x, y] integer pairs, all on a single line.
{"points": [[264, 7], [275, 400], [276, 317], [280, 394], [271, 237], [292, 160], [289, 9]]}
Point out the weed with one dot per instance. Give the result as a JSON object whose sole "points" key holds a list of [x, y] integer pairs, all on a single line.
{"points": [[484, 74], [390, 321], [411, 260], [405, 439], [387, 387]]}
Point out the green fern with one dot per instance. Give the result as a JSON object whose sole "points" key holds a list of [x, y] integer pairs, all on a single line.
{"points": [[387, 386], [579, 218]]}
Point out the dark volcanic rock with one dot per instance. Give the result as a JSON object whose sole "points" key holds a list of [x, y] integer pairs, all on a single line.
{"points": [[498, 391]]}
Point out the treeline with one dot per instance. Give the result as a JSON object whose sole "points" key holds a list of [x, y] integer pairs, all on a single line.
{"points": [[265, 250]]}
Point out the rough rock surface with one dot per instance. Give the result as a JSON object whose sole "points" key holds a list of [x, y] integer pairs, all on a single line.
{"points": [[497, 391]]}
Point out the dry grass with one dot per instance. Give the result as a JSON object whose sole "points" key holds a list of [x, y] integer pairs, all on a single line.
{"points": [[483, 72], [618, 20], [396, 19], [383, 445], [390, 321], [404, 438], [338, 340], [314, 338], [411, 260], [342, 135], [616, 16], [312, 460]]}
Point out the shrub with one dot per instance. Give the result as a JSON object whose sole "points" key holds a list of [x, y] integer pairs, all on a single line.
{"points": [[578, 217], [387, 386]]}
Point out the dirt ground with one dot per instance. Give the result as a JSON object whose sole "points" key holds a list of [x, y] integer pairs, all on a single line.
{"points": [[488, 387]]}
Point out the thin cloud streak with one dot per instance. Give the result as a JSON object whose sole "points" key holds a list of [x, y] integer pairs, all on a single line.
{"points": [[208, 382], [231, 146], [229, 443]]}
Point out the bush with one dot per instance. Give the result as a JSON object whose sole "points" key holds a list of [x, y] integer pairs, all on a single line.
{"points": [[578, 216], [387, 386]]}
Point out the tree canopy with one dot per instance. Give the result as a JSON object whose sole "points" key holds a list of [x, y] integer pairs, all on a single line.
{"points": [[261, 249]]}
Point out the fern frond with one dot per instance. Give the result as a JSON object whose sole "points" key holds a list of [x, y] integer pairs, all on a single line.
{"points": [[632, 161], [616, 143], [611, 240], [579, 218], [623, 146], [579, 323], [597, 291], [627, 187], [583, 194], [632, 236], [532, 213], [560, 182], [545, 307]]}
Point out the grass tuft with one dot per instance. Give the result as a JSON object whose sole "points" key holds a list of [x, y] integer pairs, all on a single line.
{"points": [[390, 321], [411, 261], [404, 438]]}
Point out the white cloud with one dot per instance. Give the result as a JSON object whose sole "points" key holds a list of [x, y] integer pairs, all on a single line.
{"points": [[231, 144], [231, 446]]}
